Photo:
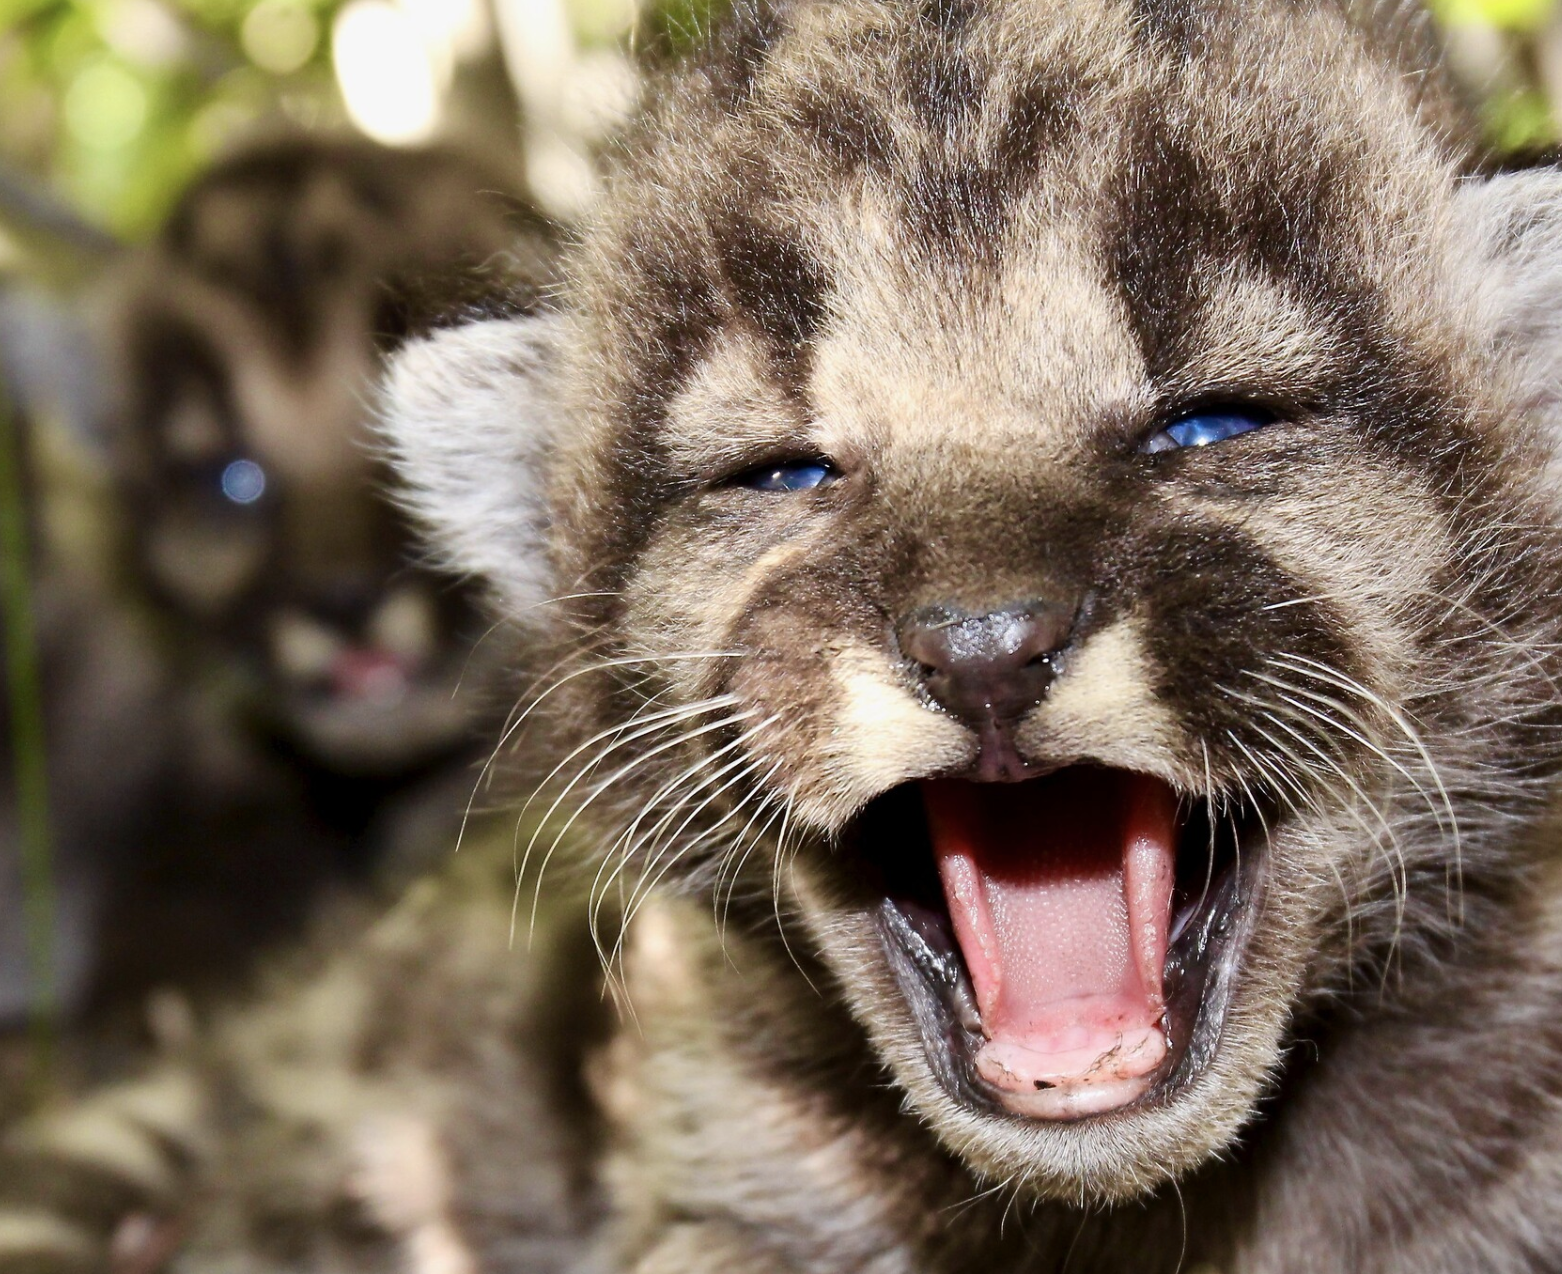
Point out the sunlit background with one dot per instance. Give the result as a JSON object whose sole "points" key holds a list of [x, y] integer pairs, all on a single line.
{"points": [[1509, 54], [116, 103]]}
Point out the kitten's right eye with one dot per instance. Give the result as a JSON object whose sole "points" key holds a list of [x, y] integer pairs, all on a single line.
{"points": [[790, 475], [243, 482], [1205, 428]]}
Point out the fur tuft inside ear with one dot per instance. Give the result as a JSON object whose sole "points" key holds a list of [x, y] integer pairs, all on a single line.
{"points": [[469, 417], [1508, 245]]}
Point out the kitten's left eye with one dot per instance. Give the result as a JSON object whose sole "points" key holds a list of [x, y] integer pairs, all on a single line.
{"points": [[1203, 428], [793, 475]]}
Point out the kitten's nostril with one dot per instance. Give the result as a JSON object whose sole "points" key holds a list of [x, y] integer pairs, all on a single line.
{"points": [[988, 667]]}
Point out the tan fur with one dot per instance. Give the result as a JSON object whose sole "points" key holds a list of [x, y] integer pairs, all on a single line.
{"points": [[979, 258]]}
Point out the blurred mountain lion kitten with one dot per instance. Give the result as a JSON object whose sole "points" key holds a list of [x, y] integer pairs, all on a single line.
{"points": [[249, 339], [1040, 530], [291, 720], [325, 655]]}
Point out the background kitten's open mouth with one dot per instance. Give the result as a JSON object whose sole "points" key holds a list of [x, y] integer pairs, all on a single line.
{"points": [[1066, 944]]}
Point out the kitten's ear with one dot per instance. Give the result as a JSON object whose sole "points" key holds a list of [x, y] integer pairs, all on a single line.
{"points": [[470, 418], [1507, 244]]}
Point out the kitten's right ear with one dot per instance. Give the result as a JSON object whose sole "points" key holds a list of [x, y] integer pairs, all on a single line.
{"points": [[470, 417], [1506, 250]]}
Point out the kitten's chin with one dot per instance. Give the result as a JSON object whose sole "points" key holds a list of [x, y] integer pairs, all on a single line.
{"points": [[414, 724]]}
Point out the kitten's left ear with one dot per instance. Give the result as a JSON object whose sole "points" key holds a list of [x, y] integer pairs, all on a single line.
{"points": [[1507, 245], [470, 417]]}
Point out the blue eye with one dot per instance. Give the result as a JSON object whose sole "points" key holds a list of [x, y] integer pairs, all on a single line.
{"points": [[1204, 428], [794, 475], [243, 482]]}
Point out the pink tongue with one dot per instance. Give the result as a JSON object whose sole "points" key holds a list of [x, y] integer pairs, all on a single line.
{"points": [[361, 672], [1060, 892]]}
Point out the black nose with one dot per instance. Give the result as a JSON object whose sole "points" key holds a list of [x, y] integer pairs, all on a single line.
{"points": [[987, 668]]}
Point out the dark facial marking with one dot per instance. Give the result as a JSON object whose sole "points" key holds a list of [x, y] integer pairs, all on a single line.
{"points": [[1178, 25], [965, 201], [1041, 117], [667, 313], [942, 85], [846, 125], [282, 277], [172, 363], [949, 16], [959, 206], [765, 277], [1206, 589], [1174, 215], [743, 45], [773, 280], [679, 304]]}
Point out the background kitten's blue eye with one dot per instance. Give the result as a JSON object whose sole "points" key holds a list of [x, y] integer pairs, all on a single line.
{"points": [[1204, 428], [794, 475], [243, 482]]}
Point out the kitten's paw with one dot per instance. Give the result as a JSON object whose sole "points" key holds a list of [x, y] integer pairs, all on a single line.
{"points": [[98, 1185], [402, 1179]]}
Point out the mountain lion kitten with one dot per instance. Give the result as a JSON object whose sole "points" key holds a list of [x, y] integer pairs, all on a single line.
{"points": [[1047, 517], [335, 700]]}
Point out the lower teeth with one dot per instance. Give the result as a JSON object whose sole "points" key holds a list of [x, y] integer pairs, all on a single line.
{"points": [[940, 965]]}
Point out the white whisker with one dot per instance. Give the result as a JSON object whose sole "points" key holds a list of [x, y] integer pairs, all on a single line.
{"points": [[604, 786]]}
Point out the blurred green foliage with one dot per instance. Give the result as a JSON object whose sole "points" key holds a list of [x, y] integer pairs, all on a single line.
{"points": [[1507, 53], [118, 102], [1507, 15]]}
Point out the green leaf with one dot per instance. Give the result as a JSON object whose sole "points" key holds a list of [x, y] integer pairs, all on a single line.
{"points": [[1510, 15]]}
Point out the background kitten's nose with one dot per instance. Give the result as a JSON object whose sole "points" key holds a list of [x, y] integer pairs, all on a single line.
{"points": [[987, 668]]}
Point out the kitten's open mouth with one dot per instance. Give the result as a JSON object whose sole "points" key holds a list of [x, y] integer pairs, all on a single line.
{"points": [[1067, 944], [391, 720]]}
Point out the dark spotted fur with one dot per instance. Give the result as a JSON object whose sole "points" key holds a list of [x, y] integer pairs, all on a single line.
{"points": [[975, 255]]}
